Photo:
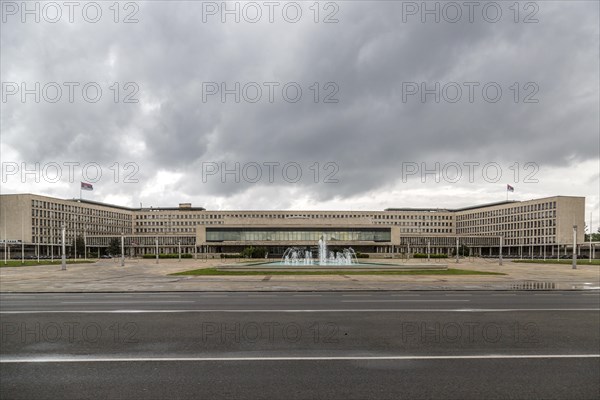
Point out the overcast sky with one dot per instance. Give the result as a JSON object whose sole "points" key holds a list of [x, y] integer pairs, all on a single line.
{"points": [[364, 132]]}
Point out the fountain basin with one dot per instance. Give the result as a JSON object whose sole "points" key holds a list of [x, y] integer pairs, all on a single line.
{"points": [[279, 266]]}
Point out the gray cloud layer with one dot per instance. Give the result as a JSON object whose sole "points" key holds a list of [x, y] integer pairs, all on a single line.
{"points": [[170, 52]]}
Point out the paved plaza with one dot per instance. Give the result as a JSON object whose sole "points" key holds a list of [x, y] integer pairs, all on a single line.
{"points": [[145, 275]]}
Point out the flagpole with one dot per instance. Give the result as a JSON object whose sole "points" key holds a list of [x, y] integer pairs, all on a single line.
{"points": [[590, 255]]}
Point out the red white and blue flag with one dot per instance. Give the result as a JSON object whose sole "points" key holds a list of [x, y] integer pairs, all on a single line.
{"points": [[86, 186], [510, 188]]}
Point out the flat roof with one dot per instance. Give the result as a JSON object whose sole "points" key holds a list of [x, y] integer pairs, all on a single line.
{"points": [[498, 203], [98, 203], [485, 205], [185, 206]]}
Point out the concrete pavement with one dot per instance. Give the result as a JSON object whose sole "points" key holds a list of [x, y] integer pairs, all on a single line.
{"points": [[146, 275]]}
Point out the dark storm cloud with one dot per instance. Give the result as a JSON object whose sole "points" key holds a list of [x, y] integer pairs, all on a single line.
{"points": [[368, 55]]}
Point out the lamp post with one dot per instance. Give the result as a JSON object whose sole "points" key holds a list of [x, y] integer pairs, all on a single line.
{"points": [[590, 255], [428, 249], [22, 240], [457, 249], [156, 241], [544, 249], [574, 262], [122, 250], [521, 248], [63, 250], [5, 239], [179, 249], [501, 244]]}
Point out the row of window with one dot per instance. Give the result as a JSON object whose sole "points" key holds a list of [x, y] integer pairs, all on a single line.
{"points": [[414, 224], [426, 230], [530, 241], [413, 217], [83, 222], [508, 211], [515, 218], [47, 205], [204, 215], [42, 209], [219, 235], [508, 227], [512, 234], [148, 241], [76, 217], [177, 215], [165, 230]]}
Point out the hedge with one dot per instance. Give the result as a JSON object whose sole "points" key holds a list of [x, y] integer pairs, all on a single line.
{"points": [[231, 255], [170, 255], [433, 255]]}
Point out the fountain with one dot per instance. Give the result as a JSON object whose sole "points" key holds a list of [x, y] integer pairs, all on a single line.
{"points": [[297, 256], [300, 256]]}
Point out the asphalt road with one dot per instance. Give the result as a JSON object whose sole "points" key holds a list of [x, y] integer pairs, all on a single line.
{"points": [[395, 345]]}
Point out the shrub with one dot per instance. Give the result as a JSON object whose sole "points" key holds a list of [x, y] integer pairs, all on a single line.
{"points": [[362, 255], [230, 255], [433, 255], [254, 252], [168, 255]]}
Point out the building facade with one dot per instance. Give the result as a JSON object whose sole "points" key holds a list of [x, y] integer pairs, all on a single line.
{"points": [[32, 224]]}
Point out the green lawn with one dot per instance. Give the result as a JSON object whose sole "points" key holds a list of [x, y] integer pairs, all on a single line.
{"points": [[562, 261], [214, 271], [29, 263]]}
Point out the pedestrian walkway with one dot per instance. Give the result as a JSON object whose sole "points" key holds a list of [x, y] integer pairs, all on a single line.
{"points": [[146, 275]]}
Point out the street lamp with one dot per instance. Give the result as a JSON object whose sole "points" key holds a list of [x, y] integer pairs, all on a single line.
{"points": [[574, 262], [63, 256], [457, 249], [5, 239], [156, 241], [590, 255], [501, 244], [22, 239], [122, 250]]}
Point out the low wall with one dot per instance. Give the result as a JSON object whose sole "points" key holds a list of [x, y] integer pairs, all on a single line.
{"points": [[362, 267]]}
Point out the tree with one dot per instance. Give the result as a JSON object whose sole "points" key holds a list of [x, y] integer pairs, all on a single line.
{"points": [[114, 246], [463, 251], [595, 236], [79, 246], [254, 252]]}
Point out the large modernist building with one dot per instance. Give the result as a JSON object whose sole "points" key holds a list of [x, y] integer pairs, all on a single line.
{"points": [[525, 228]]}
